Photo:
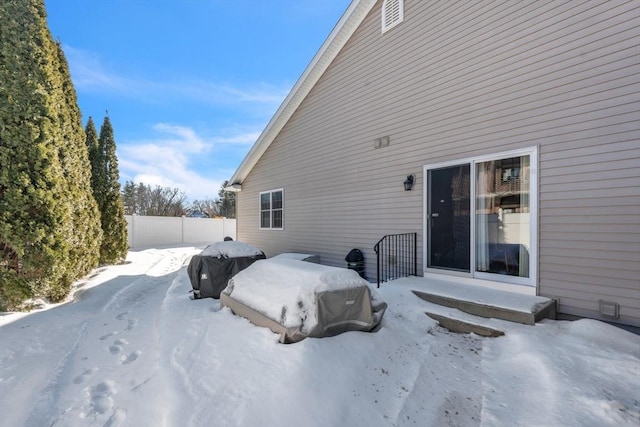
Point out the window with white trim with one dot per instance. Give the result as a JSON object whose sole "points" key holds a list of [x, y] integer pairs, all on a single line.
{"points": [[272, 209], [392, 13]]}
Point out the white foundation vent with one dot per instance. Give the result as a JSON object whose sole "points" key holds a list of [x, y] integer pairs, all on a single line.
{"points": [[609, 309]]}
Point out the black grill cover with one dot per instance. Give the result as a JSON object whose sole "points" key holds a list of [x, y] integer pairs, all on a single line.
{"points": [[209, 275], [355, 255]]}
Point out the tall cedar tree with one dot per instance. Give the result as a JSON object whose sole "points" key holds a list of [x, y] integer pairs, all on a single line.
{"points": [[49, 221], [85, 233], [98, 170], [227, 202], [114, 226]]}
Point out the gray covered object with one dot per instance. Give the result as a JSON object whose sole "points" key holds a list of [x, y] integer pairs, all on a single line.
{"points": [[296, 299], [210, 271]]}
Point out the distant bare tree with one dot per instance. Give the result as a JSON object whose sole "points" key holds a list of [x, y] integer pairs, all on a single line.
{"points": [[141, 199], [166, 201], [208, 206], [224, 205]]}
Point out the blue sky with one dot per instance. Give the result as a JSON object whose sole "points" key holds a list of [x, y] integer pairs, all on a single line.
{"points": [[188, 84]]}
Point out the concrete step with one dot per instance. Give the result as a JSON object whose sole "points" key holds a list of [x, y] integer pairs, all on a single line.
{"points": [[456, 324], [489, 303]]}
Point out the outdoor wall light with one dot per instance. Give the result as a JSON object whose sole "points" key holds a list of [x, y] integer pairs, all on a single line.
{"points": [[408, 183]]}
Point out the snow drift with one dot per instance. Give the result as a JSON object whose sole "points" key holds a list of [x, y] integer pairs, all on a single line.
{"points": [[133, 349]]}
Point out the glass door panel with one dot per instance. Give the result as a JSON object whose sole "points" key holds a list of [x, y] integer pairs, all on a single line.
{"points": [[503, 220], [448, 218]]}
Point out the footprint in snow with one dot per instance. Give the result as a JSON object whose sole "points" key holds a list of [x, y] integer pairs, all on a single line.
{"points": [[100, 398], [131, 323], [84, 376], [130, 358], [105, 336], [117, 346]]}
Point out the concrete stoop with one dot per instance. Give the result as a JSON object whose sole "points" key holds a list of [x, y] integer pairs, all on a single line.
{"points": [[455, 324], [473, 308]]}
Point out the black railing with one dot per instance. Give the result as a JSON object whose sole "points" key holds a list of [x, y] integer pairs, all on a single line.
{"points": [[396, 256]]}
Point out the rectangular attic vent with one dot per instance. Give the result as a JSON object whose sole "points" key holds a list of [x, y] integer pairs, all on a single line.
{"points": [[392, 13]]}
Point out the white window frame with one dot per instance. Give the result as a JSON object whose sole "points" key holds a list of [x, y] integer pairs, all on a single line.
{"points": [[473, 276], [389, 6], [271, 209]]}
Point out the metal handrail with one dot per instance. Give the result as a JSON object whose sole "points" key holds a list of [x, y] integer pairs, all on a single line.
{"points": [[396, 256]]}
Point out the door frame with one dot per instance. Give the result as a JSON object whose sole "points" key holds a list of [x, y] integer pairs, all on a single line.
{"points": [[481, 278]]}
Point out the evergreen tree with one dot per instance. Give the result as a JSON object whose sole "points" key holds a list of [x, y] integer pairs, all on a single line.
{"points": [[49, 228], [84, 234], [226, 202], [98, 168], [129, 198], [114, 226]]}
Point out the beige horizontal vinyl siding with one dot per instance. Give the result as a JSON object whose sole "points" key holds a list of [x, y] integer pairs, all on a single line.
{"points": [[457, 80], [590, 224]]}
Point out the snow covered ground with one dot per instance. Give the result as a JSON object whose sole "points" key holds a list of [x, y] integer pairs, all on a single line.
{"points": [[133, 349]]}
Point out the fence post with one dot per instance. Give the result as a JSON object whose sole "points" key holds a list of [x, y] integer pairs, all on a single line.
{"points": [[134, 244]]}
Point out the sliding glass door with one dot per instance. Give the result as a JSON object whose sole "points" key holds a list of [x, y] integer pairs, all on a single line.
{"points": [[480, 218]]}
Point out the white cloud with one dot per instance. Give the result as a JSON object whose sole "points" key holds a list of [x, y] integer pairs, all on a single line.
{"points": [[185, 138], [260, 96], [262, 93], [90, 74], [171, 154], [168, 160], [242, 138]]}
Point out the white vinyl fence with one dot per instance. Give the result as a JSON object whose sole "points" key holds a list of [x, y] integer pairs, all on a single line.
{"points": [[150, 231]]}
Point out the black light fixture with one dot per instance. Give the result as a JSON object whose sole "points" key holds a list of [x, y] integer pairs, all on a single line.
{"points": [[408, 183]]}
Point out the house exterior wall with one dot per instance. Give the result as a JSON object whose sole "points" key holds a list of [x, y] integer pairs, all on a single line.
{"points": [[464, 79]]}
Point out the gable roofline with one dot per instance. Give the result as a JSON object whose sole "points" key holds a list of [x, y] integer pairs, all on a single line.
{"points": [[341, 33]]}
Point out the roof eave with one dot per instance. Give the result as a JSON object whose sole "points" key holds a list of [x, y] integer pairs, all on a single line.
{"points": [[233, 188], [344, 29]]}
